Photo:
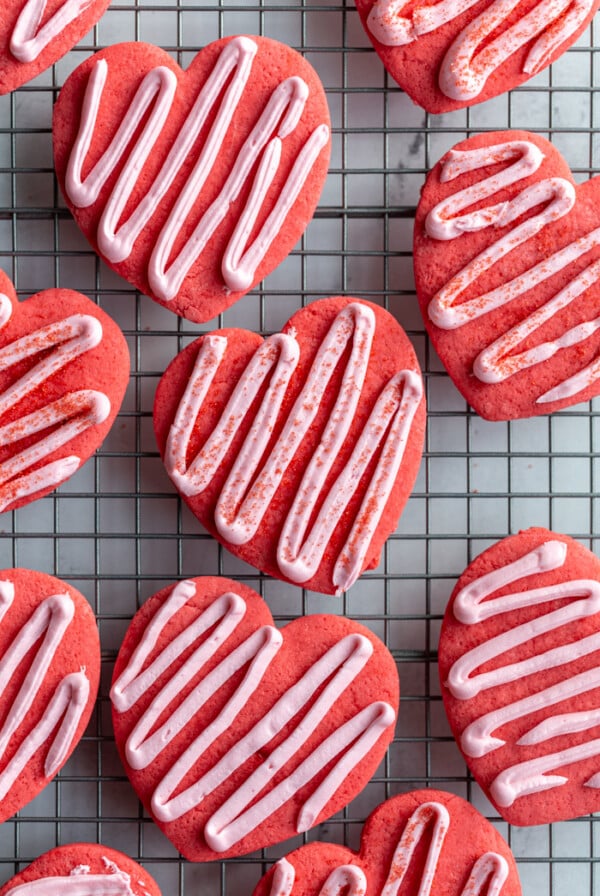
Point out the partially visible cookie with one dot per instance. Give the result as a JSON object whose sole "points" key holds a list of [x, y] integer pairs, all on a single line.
{"points": [[519, 660], [507, 270], [49, 675], [424, 843], [448, 55], [298, 452], [64, 368], [34, 34], [224, 174], [237, 735], [82, 869]]}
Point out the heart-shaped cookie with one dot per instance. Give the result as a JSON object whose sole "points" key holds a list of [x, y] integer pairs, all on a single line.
{"points": [[193, 185], [34, 34], [424, 843], [48, 680], [236, 735], [454, 53], [507, 259], [297, 452], [519, 657], [64, 368], [82, 869]]}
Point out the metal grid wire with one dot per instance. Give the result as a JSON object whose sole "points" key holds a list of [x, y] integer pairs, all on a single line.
{"points": [[118, 532]]}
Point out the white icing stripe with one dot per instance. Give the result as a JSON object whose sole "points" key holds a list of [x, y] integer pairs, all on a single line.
{"points": [[502, 359], [45, 628], [253, 481], [487, 876], [472, 59], [324, 681], [59, 344], [30, 38], [80, 882], [472, 607], [222, 92]]}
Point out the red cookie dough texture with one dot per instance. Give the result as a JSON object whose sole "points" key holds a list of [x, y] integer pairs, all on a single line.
{"points": [[519, 656], [50, 669], [297, 452], [507, 260], [424, 843], [448, 55], [34, 34], [64, 368], [193, 185], [82, 869], [237, 735]]}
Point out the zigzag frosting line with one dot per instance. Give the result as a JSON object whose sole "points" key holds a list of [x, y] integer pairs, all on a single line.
{"points": [[325, 681], [222, 92], [80, 882], [471, 607], [250, 486], [487, 876], [502, 359], [48, 622], [472, 59], [59, 344], [30, 38]]}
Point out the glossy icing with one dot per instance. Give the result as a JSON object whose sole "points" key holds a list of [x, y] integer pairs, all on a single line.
{"points": [[80, 882], [252, 482], [487, 876], [503, 359], [327, 678], [58, 344], [471, 607], [45, 628], [220, 95], [471, 58], [30, 38]]}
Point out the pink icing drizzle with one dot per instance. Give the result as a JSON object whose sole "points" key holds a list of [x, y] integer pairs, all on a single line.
{"points": [[262, 147], [30, 37], [486, 879], [466, 66], [327, 678], [48, 622], [472, 607], [80, 882], [75, 412], [250, 487], [501, 359]]}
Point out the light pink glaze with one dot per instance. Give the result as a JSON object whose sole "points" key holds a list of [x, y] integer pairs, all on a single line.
{"points": [[30, 38], [45, 628], [222, 93], [471, 607], [502, 359], [471, 59], [59, 344], [327, 678], [80, 882], [253, 481], [486, 879]]}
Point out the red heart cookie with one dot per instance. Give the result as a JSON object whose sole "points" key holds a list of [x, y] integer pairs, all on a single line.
{"points": [[64, 367], [519, 656], [507, 259], [424, 843], [49, 675], [236, 735], [34, 34], [193, 185], [82, 869], [297, 452], [454, 53]]}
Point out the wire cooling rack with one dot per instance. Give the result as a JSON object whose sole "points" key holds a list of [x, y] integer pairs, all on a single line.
{"points": [[118, 532]]}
